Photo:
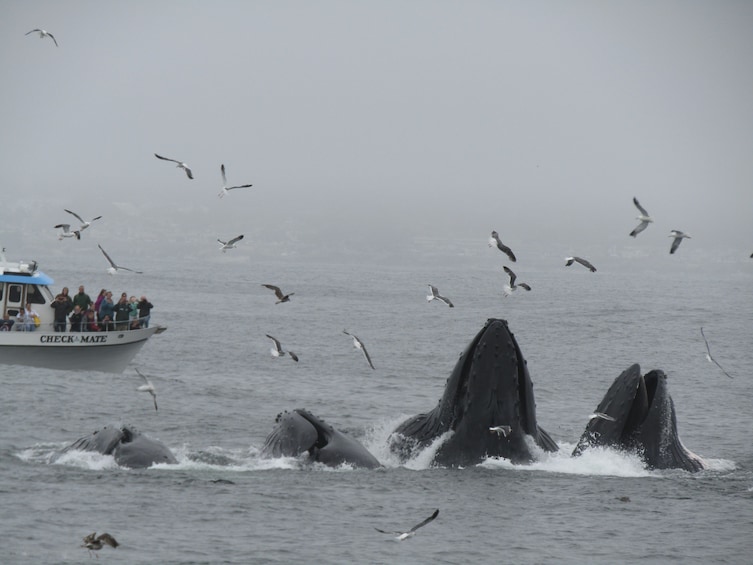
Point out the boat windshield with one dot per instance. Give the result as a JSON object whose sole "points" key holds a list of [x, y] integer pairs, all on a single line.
{"points": [[37, 295]]}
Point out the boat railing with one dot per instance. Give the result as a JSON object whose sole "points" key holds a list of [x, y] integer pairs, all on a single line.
{"points": [[115, 326]]}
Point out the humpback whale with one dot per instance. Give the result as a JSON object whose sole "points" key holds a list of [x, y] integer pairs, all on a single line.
{"points": [[129, 447], [489, 389], [642, 419], [299, 431]]}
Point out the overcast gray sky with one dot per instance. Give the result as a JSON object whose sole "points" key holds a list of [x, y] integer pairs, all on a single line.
{"points": [[391, 119]]}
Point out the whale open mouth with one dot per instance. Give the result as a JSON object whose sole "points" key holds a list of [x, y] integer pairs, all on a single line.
{"points": [[637, 414]]}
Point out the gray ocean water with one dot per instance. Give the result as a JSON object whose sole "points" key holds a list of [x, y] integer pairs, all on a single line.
{"points": [[219, 390]]}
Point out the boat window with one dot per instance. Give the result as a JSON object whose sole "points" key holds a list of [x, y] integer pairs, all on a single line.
{"points": [[47, 293], [14, 293], [34, 295]]}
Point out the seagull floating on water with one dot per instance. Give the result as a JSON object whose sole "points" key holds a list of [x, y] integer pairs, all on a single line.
{"points": [[601, 416], [225, 187], [410, 533], [678, 237], [278, 293], [436, 296], [512, 287], [181, 165], [113, 267], [495, 241], [42, 34], [358, 344], [277, 350], [92, 542], [709, 358], [67, 232], [644, 218], [229, 244], [148, 387], [501, 430], [84, 224], [586, 264]]}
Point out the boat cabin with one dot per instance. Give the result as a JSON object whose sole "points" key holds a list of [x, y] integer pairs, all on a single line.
{"points": [[20, 283]]}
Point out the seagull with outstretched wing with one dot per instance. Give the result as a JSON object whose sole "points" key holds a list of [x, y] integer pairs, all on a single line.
{"points": [[42, 34], [709, 358], [277, 350], [148, 387], [180, 165], [67, 232], [84, 223], [678, 237], [569, 261], [436, 296], [114, 268], [512, 287], [281, 297], [494, 241], [231, 244], [644, 218], [410, 533], [358, 344], [225, 187]]}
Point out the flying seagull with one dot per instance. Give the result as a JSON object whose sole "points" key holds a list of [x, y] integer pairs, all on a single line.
{"points": [[84, 224], [92, 542], [678, 237], [42, 34], [67, 232], [436, 296], [710, 358], [510, 288], [601, 416], [181, 165], [586, 264], [643, 217], [148, 387], [225, 187], [277, 349], [501, 430], [410, 533], [278, 293], [229, 244], [495, 241], [113, 267], [358, 344]]}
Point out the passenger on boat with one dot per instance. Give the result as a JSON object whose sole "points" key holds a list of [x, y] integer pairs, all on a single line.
{"points": [[133, 312], [90, 321], [63, 306], [82, 299], [76, 318], [107, 308], [98, 301], [145, 309], [25, 319], [122, 311], [107, 325], [6, 324]]}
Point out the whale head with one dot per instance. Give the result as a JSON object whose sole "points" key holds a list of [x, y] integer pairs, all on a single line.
{"points": [[488, 388], [641, 418]]}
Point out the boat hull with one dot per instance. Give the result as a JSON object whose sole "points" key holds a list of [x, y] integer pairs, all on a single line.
{"points": [[109, 352]]}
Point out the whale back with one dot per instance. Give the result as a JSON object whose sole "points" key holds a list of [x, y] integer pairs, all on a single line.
{"points": [[300, 431], [137, 451]]}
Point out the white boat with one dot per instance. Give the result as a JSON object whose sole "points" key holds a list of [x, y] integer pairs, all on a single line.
{"points": [[41, 345]]}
